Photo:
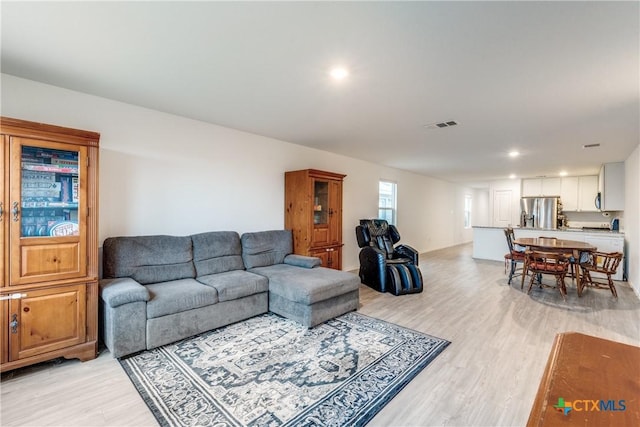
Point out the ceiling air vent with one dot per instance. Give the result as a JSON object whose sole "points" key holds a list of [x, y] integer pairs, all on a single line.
{"points": [[591, 145], [441, 124]]}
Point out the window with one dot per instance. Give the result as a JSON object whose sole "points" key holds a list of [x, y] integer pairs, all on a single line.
{"points": [[387, 201], [467, 211]]}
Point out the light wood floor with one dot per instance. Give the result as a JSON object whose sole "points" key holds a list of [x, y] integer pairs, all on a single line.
{"points": [[488, 376]]}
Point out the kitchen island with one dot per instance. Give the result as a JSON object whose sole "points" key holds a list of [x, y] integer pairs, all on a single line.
{"points": [[490, 243]]}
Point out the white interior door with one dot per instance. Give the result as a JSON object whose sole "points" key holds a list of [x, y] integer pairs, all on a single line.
{"points": [[502, 208]]}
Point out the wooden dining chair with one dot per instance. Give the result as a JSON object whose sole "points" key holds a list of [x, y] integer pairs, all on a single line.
{"points": [[550, 263], [514, 257], [600, 262], [572, 260]]}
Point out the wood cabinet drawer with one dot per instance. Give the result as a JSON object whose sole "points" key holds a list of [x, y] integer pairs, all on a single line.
{"points": [[60, 260]]}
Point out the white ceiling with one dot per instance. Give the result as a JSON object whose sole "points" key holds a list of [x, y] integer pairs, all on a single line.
{"points": [[544, 78]]}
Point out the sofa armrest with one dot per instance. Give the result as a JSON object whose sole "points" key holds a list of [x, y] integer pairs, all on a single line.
{"points": [[124, 290], [302, 261], [407, 251]]}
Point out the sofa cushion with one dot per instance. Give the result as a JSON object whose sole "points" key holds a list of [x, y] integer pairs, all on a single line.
{"points": [[148, 259], [235, 284], [308, 286], [302, 261], [265, 248], [217, 252], [178, 296]]}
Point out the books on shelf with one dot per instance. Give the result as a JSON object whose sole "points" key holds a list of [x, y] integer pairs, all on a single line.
{"points": [[74, 189], [49, 184], [49, 160], [46, 155], [49, 168], [64, 163], [66, 192], [41, 178], [39, 189], [43, 222], [42, 202]]}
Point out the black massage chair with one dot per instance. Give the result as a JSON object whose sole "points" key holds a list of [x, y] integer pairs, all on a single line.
{"points": [[384, 267]]}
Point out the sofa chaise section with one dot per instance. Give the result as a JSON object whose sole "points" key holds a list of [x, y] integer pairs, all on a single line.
{"points": [[299, 288]]}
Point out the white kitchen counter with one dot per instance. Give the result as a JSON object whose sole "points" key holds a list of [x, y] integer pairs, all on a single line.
{"points": [[490, 242]]}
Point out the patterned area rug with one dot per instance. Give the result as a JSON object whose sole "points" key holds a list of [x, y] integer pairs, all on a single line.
{"points": [[270, 371]]}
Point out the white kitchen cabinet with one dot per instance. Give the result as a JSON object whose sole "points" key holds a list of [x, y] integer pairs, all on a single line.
{"points": [[551, 186], [535, 187], [569, 193], [587, 192], [611, 186], [578, 193], [531, 187], [609, 244]]}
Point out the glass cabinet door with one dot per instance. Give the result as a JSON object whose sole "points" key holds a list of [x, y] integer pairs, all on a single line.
{"points": [[49, 192], [47, 210], [320, 202]]}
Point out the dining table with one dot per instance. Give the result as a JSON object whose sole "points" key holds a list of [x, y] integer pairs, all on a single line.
{"points": [[575, 247]]}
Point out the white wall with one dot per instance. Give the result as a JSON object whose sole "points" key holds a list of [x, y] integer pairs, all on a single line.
{"points": [[165, 174], [632, 218], [595, 217], [480, 211]]}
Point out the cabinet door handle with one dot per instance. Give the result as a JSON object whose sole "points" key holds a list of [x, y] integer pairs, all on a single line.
{"points": [[15, 211], [1, 211], [14, 324]]}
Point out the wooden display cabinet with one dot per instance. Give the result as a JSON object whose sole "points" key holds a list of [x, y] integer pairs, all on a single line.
{"points": [[330, 256], [48, 243], [313, 211]]}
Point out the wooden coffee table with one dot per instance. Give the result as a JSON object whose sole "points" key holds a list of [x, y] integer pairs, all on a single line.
{"points": [[588, 381]]}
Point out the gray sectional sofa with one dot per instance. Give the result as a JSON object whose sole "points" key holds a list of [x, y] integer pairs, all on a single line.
{"points": [[159, 289]]}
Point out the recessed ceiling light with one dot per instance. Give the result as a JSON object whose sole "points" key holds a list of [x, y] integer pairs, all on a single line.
{"points": [[339, 73], [512, 176], [563, 173], [514, 153]]}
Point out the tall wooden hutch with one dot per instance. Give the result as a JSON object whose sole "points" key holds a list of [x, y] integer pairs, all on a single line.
{"points": [[48, 243], [313, 211]]}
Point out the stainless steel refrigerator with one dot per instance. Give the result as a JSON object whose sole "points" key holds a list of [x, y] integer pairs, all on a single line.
{"points": [[540, 212]]}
